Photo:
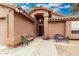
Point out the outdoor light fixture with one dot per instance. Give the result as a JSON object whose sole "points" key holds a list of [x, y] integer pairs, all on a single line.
{"points": [[40, 20]]}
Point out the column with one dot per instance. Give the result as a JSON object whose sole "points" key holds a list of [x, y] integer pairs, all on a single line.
{"points": [[35, 25], [46, 15], [68, 28]]}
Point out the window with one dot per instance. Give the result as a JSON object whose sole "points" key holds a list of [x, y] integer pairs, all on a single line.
{"points": [[75, 27]]}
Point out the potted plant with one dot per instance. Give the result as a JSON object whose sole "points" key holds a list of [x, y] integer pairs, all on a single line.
{"points": [[45, 37]]}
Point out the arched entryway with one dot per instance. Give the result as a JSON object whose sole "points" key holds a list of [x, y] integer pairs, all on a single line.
{"points": [[41, 16]]}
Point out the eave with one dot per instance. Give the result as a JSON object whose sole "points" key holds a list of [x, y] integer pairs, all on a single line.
{"points": [[68, 18]]}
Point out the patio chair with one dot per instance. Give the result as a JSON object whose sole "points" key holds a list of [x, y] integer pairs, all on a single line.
{"points": [[61, 38], [66, 39]]}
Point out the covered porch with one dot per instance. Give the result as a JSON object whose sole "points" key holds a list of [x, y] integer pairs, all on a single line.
{"points": [[63, 25]]}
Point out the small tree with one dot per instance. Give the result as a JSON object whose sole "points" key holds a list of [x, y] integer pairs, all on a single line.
{"points": [[75, 8]]}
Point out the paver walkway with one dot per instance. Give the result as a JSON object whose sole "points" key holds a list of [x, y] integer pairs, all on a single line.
{"points": [[38, 47], [45, 48]]}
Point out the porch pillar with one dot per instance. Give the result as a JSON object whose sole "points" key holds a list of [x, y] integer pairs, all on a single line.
{"points": [[68, 28], [35, 25], [46, 15]]}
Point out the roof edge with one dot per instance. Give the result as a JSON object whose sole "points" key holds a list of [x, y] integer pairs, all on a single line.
{"points": [[17, 9]]}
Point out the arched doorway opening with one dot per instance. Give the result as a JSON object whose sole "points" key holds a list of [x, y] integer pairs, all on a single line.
{"points": [[40, 24], [41, 15]]}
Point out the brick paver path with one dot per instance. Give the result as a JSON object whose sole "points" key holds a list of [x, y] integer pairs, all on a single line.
{"points": [[45, 48], [38, 47]]}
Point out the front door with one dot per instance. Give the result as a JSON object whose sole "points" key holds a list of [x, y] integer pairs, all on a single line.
{"points": [[40, 24], [41, 29]]}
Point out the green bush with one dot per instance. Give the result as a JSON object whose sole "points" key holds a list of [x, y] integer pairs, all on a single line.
{"points": [[24, 40]]}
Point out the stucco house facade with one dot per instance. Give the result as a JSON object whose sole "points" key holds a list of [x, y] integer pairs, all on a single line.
{"points": [[39, 21], [13, 23], [53, 23]]}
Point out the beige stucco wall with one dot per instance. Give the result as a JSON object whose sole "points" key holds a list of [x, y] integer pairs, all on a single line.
{"points": [[3, 10], [3, 31], [13, 25], [3, 24], [22, 25], [6, 30], [56, 28]]}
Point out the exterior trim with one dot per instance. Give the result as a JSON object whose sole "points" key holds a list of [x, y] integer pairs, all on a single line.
{"points": [[64, 18]]}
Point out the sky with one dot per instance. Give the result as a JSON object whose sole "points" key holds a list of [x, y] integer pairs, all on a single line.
{"points": [[60, 8]]}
